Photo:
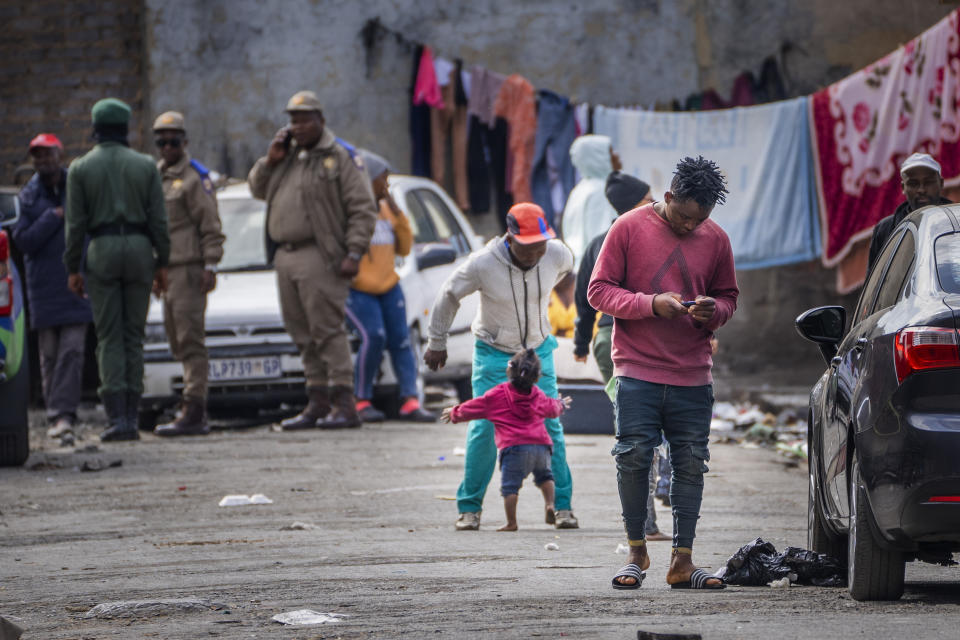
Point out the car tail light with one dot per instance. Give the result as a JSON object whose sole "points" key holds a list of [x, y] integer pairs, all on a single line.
{"points": [[920, 348], [944, 499]]}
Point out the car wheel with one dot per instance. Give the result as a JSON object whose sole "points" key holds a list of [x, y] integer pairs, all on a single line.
{"points": [[14, 425], [819, 538], [873, 573]]}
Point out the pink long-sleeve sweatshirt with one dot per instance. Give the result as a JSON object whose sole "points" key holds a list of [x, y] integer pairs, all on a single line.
{"points": [[642, 257], [517, 417]]}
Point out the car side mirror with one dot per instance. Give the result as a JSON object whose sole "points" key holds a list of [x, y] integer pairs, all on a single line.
{"points": [[824, 326], [9, 208], [435, 255]]}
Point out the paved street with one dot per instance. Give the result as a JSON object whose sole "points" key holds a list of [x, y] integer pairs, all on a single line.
{"points": [[384, 552]]}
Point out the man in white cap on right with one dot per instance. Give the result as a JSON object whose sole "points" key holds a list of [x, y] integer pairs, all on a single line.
{"points": [[922, 184]]}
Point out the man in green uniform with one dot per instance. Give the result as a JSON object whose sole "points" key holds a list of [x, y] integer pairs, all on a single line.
{"points": [[196, 246], [114, 197], [320, 217]]}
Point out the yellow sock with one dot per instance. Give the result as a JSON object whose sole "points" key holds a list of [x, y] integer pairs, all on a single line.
{"points": [[637, 543], [684, 550]]}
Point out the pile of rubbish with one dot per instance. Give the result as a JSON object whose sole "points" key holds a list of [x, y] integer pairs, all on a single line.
{"points": [[759, 564], [746, 424]]}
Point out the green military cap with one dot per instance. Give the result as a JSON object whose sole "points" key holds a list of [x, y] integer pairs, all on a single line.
{"points": [[304, 101], [110, 111], [169, 120]]}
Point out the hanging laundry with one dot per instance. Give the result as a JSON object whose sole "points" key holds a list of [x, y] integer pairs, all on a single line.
{"points": [[516, 103], [419, 124], [582, 115], [427, 90], [865, 125], [769, 86], [443, 68], [484, 87], [588, 213], [448, 128], [763, 150], [556, 130]]}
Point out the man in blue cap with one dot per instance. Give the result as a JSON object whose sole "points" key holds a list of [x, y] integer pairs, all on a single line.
{"points": [[115, 198]]}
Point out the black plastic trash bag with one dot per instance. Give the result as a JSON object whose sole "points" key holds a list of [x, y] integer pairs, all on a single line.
{"points": [[758, 564]]}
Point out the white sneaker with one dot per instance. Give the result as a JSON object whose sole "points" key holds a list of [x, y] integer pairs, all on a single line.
{"points": [[468, 521], [62, 426], [566, 520]]}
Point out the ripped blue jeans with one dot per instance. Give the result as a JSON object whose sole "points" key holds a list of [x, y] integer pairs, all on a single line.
{"points": [[645, 413]]}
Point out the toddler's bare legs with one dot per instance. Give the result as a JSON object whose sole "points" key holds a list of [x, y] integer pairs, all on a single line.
{"points": [[547, 489], [510, 507]]}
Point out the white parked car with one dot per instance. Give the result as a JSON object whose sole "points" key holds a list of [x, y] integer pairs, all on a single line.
{"points": [[253, 363]]}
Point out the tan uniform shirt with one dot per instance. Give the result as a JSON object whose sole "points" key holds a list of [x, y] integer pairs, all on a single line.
{"points": [[195, 234], [331, 190]]}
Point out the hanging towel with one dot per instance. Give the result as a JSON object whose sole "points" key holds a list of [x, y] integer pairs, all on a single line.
{"points": [[865, 125], [427, 90], [517, 104], [764, 151]]}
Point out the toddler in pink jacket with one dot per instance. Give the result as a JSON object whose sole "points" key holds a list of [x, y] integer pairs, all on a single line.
{"points": [[517, 409]]}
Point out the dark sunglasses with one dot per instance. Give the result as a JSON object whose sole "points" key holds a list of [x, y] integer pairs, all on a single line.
{"points": [[168, 142]]}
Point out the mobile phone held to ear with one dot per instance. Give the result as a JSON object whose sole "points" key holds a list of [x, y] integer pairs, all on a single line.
{"points": [[287, 138], [688, 303]]}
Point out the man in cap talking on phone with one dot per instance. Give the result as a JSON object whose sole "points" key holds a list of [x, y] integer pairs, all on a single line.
{"points": [[320, 217]]}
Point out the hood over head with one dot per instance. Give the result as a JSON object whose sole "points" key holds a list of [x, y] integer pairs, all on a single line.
{"points": [[590, 154]]}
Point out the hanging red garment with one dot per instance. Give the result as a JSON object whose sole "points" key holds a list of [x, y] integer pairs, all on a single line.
{"points": [[864, 126], [517, 104], [426, 90]]}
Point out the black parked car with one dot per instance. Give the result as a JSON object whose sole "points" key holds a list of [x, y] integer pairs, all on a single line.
{"points": [[884, 436]]}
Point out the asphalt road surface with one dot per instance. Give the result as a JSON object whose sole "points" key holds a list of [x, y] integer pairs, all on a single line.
{"points": [[383, 552]]}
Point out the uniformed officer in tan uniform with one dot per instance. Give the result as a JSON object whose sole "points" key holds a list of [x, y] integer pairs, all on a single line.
{"points": [[320, 217], [196, 248]]}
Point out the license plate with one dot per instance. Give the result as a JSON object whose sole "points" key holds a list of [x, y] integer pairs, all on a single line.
{"points": [[245, 368]]}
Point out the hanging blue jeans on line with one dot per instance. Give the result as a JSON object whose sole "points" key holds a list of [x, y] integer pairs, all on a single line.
{"points": [[489, 370], [381, 322], [644, 411], [556, 130]]}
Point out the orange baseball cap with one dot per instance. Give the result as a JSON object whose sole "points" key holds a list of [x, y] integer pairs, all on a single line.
{"points": [[46, 140], [527, 223]]}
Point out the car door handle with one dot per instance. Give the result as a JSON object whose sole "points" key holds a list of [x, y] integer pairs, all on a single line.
{"points": [[835, 361]]}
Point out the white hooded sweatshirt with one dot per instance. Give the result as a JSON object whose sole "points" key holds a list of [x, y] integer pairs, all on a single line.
{"points": [[588, 213]]}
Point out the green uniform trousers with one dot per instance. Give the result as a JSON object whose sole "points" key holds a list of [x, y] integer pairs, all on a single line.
{"points": [[184, 305], [601, 351], [119, 277]]}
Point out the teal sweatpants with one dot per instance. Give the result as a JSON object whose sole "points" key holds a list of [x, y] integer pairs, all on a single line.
{"points": [[489, 370]]}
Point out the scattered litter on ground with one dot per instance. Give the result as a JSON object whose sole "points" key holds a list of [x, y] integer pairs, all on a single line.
{"points": [[758, 563], [151, 608], [307, 616], [90, 448], [198, 543], [655, 635], [243, 500], [45, 463], [300, 489], [623, 549], [445, 497], [552, 546], [298, 526], [8, 630], [782, 583], [99, 465], [459, 451], [750, 427], [441, 458]]}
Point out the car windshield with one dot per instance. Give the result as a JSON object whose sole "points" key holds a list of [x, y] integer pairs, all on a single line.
{"points": [[243, 220], [947, 250]]}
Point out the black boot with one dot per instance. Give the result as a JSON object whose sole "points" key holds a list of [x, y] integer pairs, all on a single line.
{"points": [[119, 428], [343, 414], [192, 420], [318, 406], [133, 410]]}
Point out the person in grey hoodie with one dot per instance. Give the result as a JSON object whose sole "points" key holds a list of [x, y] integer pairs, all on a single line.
{"points": [[514, 274]]}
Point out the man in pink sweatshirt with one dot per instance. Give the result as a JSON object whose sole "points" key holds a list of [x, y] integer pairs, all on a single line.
{"points": [[666, 275]]}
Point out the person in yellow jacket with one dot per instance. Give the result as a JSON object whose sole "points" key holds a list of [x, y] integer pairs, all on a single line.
{"points": [[376, 309]]}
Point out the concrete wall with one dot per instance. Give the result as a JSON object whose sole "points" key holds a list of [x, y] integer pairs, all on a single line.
{"points": [[56, 59]]}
